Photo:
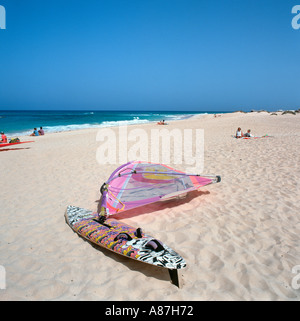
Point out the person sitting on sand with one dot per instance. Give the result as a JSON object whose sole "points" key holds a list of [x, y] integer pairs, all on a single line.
{"points": [[41, 131], [239, 133], [35, 132], [248, 134], [3, 138]]}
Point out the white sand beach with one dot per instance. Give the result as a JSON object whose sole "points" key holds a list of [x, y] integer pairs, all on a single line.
{"points": [[240, 238]]}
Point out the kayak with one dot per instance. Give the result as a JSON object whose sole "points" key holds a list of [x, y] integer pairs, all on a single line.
{"points": [[11, 144]]}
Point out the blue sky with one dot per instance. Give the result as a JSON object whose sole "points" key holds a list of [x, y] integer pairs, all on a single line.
{"points": [[149, 54]]}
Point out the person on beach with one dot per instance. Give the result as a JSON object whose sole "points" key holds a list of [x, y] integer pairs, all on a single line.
{"points": [[3, 138], [248, 134], [239, 133], [35, 132], [41, 131]]}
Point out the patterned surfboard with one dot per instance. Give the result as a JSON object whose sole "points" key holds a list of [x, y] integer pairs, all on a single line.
{"points": [[122, 239]]}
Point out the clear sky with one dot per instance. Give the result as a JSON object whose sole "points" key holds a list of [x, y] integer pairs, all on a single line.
{"points": [[149, 54]]}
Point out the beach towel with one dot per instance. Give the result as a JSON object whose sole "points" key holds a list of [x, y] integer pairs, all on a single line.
{"points": [[253, 137]]}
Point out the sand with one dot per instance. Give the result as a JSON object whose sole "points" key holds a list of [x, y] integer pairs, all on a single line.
{"points": [[240, 238]]}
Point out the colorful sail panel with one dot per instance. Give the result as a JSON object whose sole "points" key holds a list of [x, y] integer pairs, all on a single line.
{"points": [[139, 183]]}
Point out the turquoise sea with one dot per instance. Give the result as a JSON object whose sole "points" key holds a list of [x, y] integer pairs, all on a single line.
{"points": [[18, 123]]}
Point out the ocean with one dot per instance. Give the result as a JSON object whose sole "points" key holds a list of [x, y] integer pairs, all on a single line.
{"points": [[21, 123]]}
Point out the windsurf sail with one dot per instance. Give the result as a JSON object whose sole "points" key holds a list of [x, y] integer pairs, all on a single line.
{"points": [[140, 183]]}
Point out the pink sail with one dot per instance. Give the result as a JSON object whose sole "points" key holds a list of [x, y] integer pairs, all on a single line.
{"points": [[139, 183]]}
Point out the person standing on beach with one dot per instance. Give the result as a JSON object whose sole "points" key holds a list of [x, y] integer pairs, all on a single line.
{"points": [[3, 138]]}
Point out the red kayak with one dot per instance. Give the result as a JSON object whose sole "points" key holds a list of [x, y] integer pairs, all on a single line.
{"points": [[11, 144]]}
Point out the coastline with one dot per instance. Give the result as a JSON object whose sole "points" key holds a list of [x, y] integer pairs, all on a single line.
{"points": [[200, 116], [20, 123], [240, 238]]}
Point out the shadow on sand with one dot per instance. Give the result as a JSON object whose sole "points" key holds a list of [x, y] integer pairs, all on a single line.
{"points": [[7, 149]]}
